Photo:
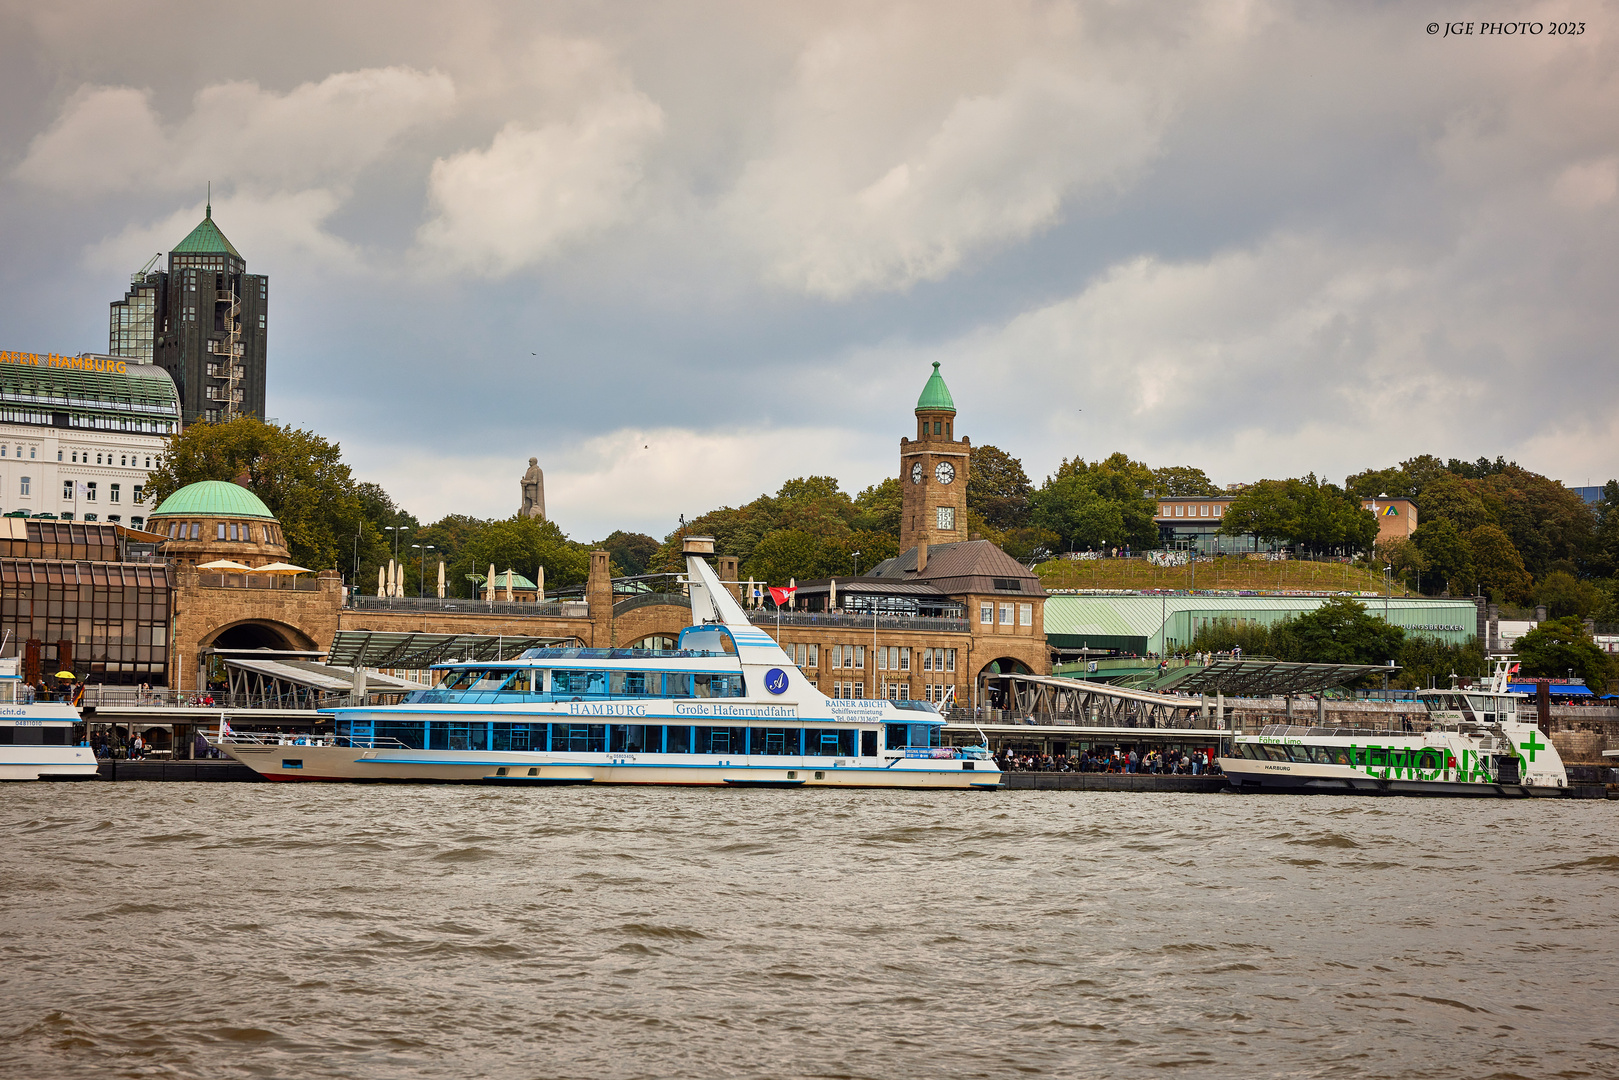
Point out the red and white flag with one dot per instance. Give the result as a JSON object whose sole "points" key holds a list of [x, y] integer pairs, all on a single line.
{"points": [[781, 596]]}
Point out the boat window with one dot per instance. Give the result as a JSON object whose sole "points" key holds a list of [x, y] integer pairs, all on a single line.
{"points": [[631, 739], [714, 639], [1321, 755], [833, 742], [579, 683], [1377, 757], [678, 740], [927, 734], [721, 740], [631, 683], [519, 737], [774, 742], [1428, 760], [718, 686], [579, 738], [1336, 755], [1250, 751], [410, 733], [1299, 753], [1275, 753], [896, 736]]}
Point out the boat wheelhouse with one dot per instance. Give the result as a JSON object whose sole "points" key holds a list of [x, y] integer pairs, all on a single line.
{"points": [[725, 707], [1476, 743], [37, 738]]}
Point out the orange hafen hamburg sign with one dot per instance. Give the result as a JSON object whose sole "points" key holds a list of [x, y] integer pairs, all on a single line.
{"points": [[56, 360]]}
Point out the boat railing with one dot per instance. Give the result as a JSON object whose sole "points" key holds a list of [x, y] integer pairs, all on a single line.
{"points": [[1302, 731], [357, 742]]}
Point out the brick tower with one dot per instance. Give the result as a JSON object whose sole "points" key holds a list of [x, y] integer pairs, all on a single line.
{"points": [[933, 472]]}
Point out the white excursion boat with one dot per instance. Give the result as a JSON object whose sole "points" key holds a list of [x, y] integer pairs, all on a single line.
{"points": [[36, 737], [1476, 744], [726, 707]]}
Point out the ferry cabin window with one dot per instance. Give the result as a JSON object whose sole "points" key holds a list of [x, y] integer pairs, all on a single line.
{"points": [[677, 740], [408, 732], [519, 737], [579, 738], [1275, 753], [832, 742], [721, 740], [1250, 751], [634, 739], [774, 742]]}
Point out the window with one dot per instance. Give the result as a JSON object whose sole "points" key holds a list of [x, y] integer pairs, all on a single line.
{"points": [[24, 489], [986, 613], [947, 518], [196, 530], [135, 494], [927, 659], [882, 658], [860, 657], [905, 659], [148, 463], [837, 656], [1180, 511], [67, 515], [89, 517], [233, 531], [1025, 614], [950, 659], [59, 455], [1006, 614], [67, 491], [89, 492], [112, 492], [221, 531], [31, 452], [137, 522], [814, 655], [904, 691]]}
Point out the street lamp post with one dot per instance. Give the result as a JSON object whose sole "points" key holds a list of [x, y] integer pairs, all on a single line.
{"points": [[396, 530], [421, 578], [856, 556]]}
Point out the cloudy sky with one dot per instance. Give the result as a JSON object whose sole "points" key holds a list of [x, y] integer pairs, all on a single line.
{"points": [[684, 251]]}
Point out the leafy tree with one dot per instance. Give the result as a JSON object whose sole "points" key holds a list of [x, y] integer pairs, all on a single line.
{"points": [[1031, 544], [879, 508], [1340, 631], [1097, 506], [1558, 646], [449, 537], [1447, 555], [1564, 595], [630, 551], [1406, 558], [1451, 498], [1263, 509], [300, 477], [1497, 568], [1426, 661], [997, 488], [1605, 535], [524, 544], [1184, 480]]}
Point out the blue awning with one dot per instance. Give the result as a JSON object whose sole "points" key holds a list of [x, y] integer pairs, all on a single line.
{"points": [[1556, 689]]}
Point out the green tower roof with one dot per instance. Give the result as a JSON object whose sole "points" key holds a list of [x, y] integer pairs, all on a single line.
{"points": [[935, 395], [213, 498], [206, 239]]}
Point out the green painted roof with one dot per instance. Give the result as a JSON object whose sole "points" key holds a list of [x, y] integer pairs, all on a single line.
{"points": [[206, 239], [213, 498], [935, 395], [513, 578], [94, 385]]}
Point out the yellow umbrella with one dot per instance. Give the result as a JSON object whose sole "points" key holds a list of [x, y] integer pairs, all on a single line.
{"points": [[66, 675], [281, 568], [223, 564]]}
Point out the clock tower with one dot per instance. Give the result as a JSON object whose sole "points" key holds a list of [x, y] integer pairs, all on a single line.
{"points": [[933, 472]]}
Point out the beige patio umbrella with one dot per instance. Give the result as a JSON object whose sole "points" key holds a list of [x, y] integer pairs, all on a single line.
{"points": [[224, 564], [508, 585], [792, 600], [489, 587], [832, 596], [382, 589], [441, 579], [281, 568], [539, 594]]}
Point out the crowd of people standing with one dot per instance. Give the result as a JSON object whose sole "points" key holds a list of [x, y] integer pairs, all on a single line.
{"points": [[1119, 760]]}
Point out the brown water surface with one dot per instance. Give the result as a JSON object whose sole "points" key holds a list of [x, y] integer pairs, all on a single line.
{"points": [[238, 930]]}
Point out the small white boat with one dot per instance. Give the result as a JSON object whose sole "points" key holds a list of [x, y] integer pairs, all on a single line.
{"points": [[37, 737], [1477, 743], [726, 707]]}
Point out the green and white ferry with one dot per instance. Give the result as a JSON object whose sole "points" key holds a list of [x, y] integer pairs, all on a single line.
{"points": [[1477, 743]]}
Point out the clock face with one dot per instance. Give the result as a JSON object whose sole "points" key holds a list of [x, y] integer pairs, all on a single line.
{"points": [[916, 473], [945, 473]]}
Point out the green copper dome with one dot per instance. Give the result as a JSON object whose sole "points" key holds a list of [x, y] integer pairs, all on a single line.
{"points": [[213, 498], [206, 239], [935, 395]]}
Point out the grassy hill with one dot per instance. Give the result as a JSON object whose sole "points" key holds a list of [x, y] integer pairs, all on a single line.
{"points": [[1219, 574]]}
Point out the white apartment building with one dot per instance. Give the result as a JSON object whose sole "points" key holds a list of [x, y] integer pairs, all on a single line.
{"points": [[80, 434]]}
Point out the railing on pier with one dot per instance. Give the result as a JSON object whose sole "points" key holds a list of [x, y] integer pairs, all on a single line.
{"points": [[405, 605], [283, 582]]}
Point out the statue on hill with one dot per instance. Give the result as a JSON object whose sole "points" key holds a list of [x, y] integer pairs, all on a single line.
{"points": [[533, 491]]}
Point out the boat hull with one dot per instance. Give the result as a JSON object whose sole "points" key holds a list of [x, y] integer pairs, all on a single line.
{"points": [[47, 763], [354, 764], [1278, 778]]}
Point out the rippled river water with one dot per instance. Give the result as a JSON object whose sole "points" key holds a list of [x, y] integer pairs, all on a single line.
{"points": [[339, 931]]}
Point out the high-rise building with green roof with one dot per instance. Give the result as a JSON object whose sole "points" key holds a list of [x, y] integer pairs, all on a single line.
{"points": [[203, 320]]}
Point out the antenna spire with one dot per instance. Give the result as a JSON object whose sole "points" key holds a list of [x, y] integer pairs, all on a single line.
{"points": [[209, 212]]}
